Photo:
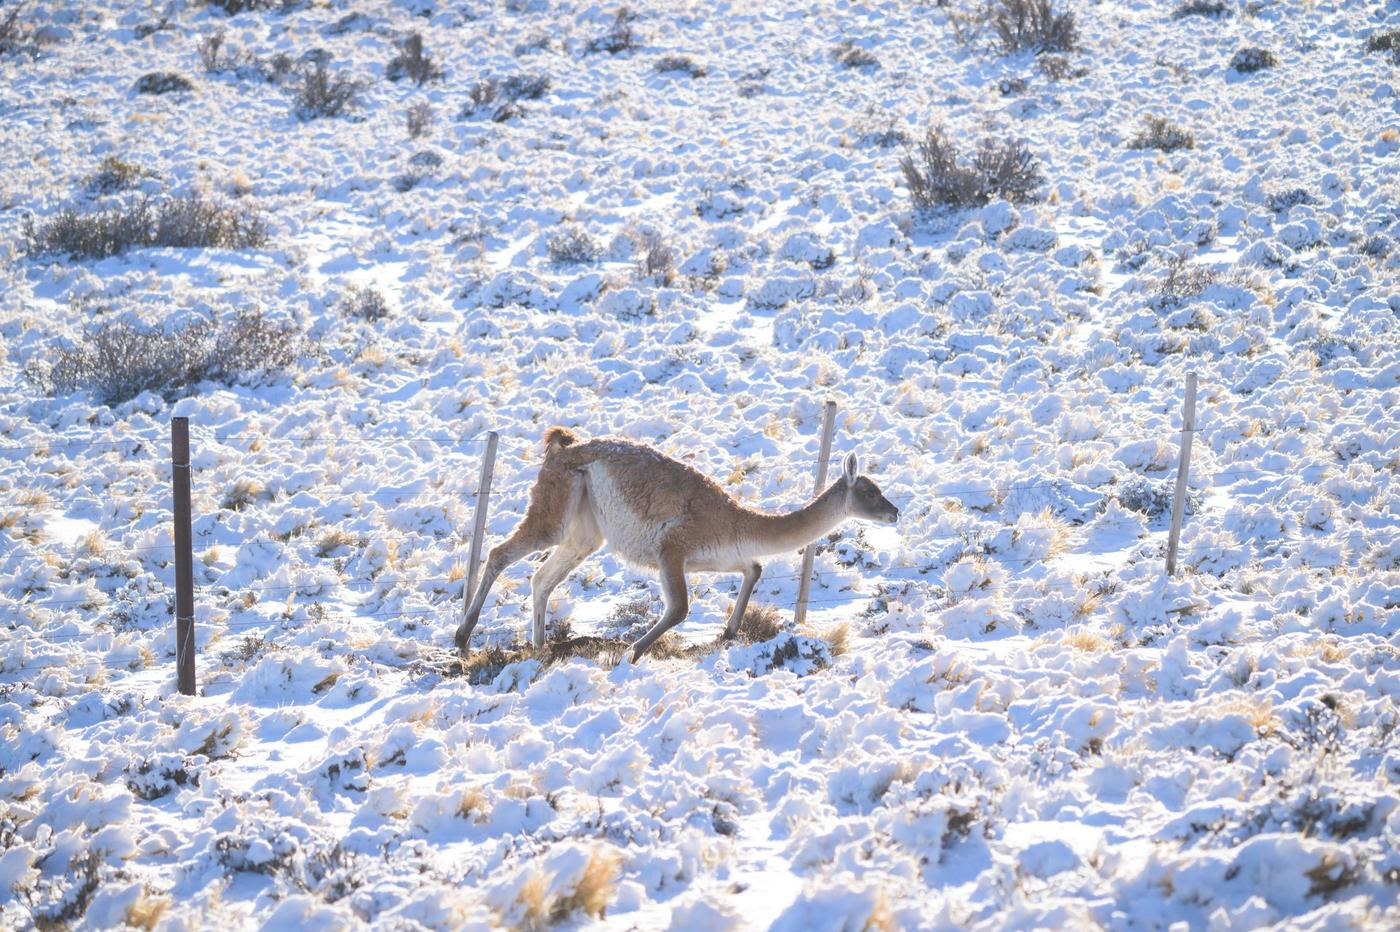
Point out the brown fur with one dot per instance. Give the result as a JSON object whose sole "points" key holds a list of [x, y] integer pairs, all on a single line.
{"points": [[557, 438], [659, 512]]}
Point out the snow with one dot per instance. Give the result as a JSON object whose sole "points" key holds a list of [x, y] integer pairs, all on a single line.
{"points": [[1000, 712]]}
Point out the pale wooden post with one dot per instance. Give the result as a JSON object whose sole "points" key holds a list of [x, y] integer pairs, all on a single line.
{"points": [[483, 494], [804, 583], [1188, 425]]}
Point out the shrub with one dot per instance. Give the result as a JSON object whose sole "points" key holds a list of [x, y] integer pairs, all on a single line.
{"points": [[571, 246], [120, 359], [321, 95], [420, 119], [113, 174], [1201, 8], [681, 63], [1280, 201], [620, 36], [234, 7], [501, 96], [853, 56], [936, 178], [163, 82], [214, 55], [658, 259], [15, 37], [1376, 42], [1033, 24], [364, 303], [1158, 133], [413, 62], [1182, 281], [1057, 68], [189, 222], [1250, 59]]}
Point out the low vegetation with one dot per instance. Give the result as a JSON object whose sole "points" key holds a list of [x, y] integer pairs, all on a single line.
{"points": [[413, 62], [1034, 25], [324, 95], [1201, 8], [1250, 59], [1159, 133], [122, 358], [189, 222], [620, 37], [938, 176]]}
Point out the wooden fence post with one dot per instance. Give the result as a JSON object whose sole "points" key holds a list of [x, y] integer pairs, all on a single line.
{"points": [[483, 494], [184, 555], [804, 582], [1188, 425]]}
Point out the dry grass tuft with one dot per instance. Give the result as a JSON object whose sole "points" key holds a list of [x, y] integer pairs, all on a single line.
{"points": [[596, 888], [837, 638], [1084, 640], [244, 492], [472, 802], [333, 540], [147, 911], [760, 623]]}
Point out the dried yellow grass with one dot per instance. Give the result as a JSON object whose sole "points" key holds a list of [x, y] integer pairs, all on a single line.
{"points": [[1084, 640], [242, 493], [33, 498], [147, 911]]}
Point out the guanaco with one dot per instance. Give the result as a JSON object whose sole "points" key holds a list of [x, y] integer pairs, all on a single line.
{"points": [[659, 513]]}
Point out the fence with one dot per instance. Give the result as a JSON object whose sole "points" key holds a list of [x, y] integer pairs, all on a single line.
{"points": [[182, 546]]}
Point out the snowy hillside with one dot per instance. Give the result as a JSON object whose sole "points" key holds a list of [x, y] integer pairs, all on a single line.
{"points": [[346, 238]]}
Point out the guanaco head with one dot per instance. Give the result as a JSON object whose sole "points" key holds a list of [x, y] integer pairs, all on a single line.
{"points": [[864, 498]]}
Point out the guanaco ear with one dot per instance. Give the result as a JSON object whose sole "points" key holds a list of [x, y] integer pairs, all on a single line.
{"points": [[851, 468]]}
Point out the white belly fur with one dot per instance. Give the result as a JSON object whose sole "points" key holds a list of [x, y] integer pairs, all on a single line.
{"points": [[632, 539], [639, 542]]}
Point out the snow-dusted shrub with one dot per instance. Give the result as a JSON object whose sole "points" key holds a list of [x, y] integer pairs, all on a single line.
{"points": [[571, 246], [419, 119], [1201, 8], [1250, 59], [658, 259], [234, 7], [1034, 24], [849, 54], [214, 55], [163, 82], [1388, 41], [1159, 133], [121, 358], [322, 95], [59, 902], [620, 36], [938, 177], [189, 222], [1181, 281], [364, 303], [1280, 201], [500, 97], [681, 63], [114, 174], [15, 36], [413, 62], [159, 775]]}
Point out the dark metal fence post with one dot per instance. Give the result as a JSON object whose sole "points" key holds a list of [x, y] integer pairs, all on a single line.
{"points": [[184, 555]]}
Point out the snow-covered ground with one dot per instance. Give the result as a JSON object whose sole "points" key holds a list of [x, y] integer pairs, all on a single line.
{"points": [[1001, 713]]}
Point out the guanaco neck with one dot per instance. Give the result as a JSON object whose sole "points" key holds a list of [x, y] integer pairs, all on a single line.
{"points": [[797, 529]]}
